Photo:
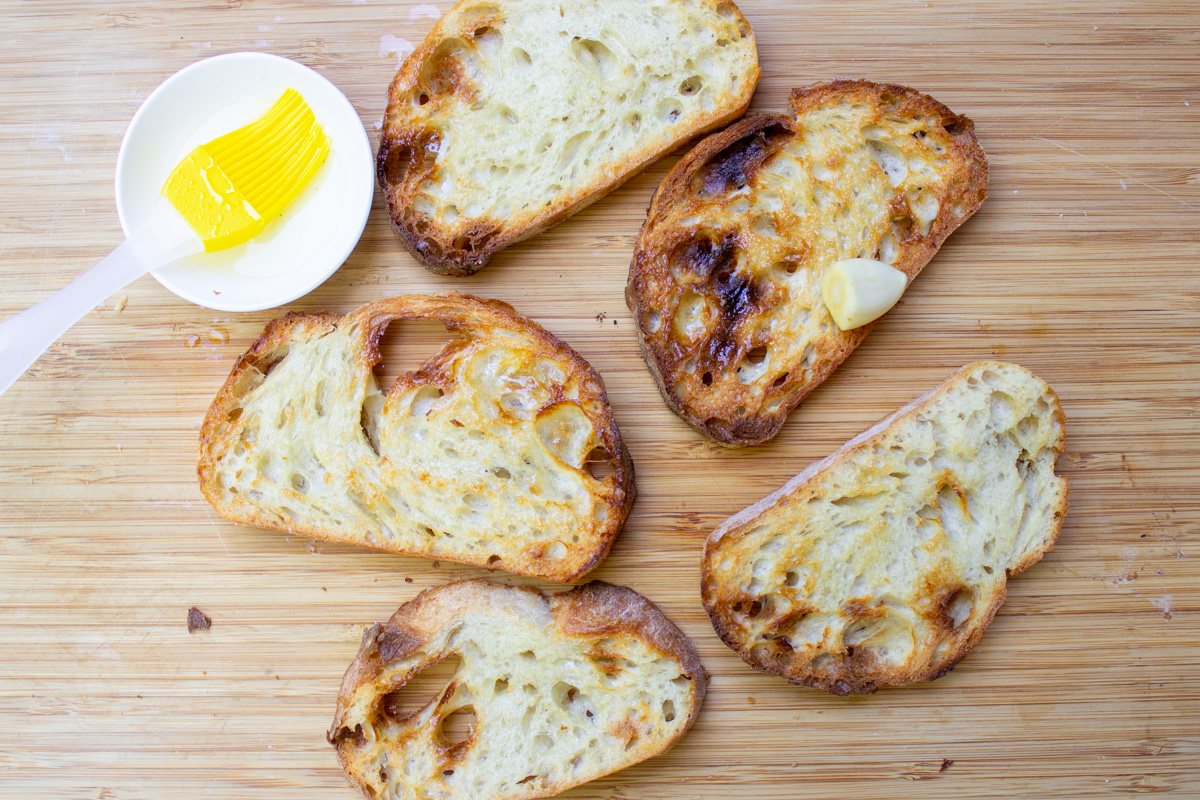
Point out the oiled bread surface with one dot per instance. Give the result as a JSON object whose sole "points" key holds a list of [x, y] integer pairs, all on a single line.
{"points": [[725, 279], [500, 451], [563, 688], [513, 114], [884, 563]]}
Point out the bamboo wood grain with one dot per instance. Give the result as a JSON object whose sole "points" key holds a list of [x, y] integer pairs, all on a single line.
{"points": [[1083, 266]]}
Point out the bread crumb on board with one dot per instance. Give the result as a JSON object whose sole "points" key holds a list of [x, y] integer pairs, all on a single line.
{"points": [[198, 620]]}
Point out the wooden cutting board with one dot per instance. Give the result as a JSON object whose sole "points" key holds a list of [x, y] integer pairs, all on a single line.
{"points": [[1084, 265]]}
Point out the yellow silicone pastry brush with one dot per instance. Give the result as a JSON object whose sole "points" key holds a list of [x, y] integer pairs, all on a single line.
{"points": [[222, 194], [230, 189]]}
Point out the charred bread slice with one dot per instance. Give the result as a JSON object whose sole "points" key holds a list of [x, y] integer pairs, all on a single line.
{"points": [[558, 690], [726, 275], [884, 563], [514, 114]]}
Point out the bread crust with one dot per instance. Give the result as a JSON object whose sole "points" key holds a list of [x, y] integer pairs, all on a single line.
{"points": [[852, 676], [460, 314], [408, 151], [593, 611], [717, 166]]}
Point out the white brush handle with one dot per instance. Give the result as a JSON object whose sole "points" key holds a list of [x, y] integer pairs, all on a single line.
{"points": [[163, 238]]}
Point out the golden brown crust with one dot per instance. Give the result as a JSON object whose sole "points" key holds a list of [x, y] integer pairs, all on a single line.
{"points": [[604, 608], [595, 612], [408, 153], [707, 253], [859, 673], [861, 670], [465, 316]]}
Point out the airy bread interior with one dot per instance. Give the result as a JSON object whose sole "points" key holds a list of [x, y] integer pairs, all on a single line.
{"points": [[545, 694], [499, 451], [883, 563], [512, 114], [725, 281]]}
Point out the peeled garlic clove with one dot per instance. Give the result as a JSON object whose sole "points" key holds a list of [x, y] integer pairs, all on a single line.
{"points": [[859, 290]]}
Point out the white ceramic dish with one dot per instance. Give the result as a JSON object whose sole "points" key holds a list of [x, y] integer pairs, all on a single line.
{"points": [[312, 238]]}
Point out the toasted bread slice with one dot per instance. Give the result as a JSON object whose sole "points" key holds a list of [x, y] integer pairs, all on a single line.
{"points": [[725, 280], [514, 114], [562, 690], [885, 562], [490, 453]]}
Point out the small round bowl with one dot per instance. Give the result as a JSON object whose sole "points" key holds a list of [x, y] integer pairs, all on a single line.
{"points": [[314, 235]]}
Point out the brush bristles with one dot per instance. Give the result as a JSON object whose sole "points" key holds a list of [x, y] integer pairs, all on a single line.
{"points": [[272, 159]]}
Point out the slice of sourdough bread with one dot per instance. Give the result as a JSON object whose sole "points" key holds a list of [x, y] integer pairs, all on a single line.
{"points": [[725, 280], [493, 452], [884, 563], [514, 114], [559, 690]]}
